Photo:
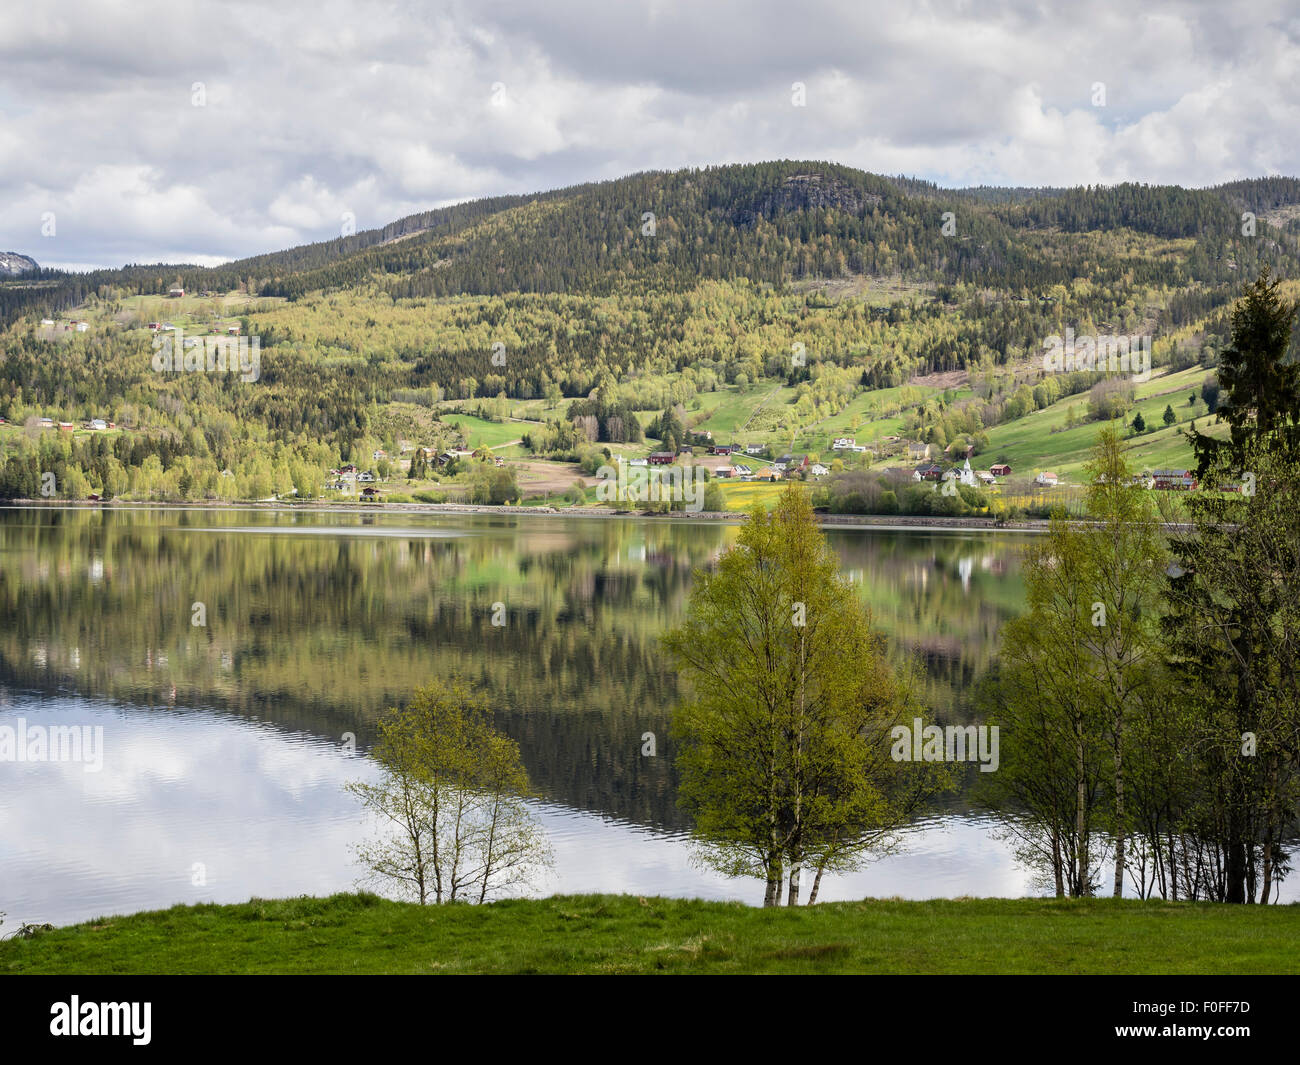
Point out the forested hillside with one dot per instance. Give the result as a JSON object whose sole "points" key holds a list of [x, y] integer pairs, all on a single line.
{"points": [[678, 290]]}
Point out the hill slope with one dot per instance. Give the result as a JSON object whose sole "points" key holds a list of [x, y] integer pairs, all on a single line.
{"points": [[654, 291]]}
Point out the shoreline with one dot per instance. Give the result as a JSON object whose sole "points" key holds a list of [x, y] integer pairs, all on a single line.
{"points": [[918, 523]]}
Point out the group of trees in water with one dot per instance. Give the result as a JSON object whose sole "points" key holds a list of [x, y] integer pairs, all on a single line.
{"points": [[1150, 695]]}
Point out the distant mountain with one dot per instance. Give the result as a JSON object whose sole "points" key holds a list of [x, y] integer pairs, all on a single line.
{"points": [[12, 264], [770, 223]]}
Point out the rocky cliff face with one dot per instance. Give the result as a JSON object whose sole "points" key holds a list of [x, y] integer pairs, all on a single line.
{"points": [[11, 263], [803, 192]]}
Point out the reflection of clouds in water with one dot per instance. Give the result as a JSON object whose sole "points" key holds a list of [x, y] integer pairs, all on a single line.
{"points": [[262, 810], [939, 858], [265, 812]]}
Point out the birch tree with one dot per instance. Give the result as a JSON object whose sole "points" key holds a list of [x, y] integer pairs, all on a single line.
{"points": [[453, 824], [784, 741]]}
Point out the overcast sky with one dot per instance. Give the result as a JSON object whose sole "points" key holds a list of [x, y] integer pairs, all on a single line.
{"points": [[307, 111]]}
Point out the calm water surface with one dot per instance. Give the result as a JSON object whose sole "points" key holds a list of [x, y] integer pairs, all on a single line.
{"points": [[225, 746]]}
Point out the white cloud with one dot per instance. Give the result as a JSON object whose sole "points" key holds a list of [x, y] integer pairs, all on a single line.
{"points": [[313, 109]]}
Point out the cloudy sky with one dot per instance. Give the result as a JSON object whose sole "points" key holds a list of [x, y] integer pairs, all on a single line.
{"points": [[144, 131]]}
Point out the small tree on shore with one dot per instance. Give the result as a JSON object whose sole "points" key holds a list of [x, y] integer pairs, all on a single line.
{"points": [[454, 826]]}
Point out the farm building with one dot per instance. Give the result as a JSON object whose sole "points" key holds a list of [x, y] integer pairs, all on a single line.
{"points": [[1173, 480]]}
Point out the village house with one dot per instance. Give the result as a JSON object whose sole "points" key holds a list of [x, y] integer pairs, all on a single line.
{"points": [[661, 458], [985, 477], [723, 449], [1173, 480], [1046, 478], [818, 470], [928, 471], [1000, 469], [755, 449], [175, 292], [917, 451]]}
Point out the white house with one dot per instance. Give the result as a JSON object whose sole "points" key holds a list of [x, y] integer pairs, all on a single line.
{"points": [[843, 443], [1046, 478], [818, 470]]}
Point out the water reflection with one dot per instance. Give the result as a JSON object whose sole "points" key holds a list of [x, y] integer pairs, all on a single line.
{"points": [[315, 623], [198, 806]]}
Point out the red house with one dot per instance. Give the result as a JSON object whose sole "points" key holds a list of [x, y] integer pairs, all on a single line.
{"points": [[661, 458]]}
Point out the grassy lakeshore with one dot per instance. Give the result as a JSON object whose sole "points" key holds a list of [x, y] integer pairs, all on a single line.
{"points": [[361, 933]]}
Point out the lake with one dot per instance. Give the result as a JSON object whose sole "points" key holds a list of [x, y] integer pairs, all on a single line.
{"points": [[225, 745]]}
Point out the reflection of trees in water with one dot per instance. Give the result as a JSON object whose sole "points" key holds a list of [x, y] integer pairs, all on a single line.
{"points": [[320, 632]]}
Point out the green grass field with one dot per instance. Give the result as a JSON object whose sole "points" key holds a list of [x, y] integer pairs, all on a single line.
{"points": [[482, 433], [1040, 441], [626, 934]]}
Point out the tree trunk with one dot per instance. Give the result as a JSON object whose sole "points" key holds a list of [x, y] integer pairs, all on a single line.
{"points": [[1080, 816], [772, 897], [817, 883], [1119, 804]]}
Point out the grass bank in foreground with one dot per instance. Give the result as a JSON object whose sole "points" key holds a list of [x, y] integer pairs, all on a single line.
{"points": [[625, 934]]}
